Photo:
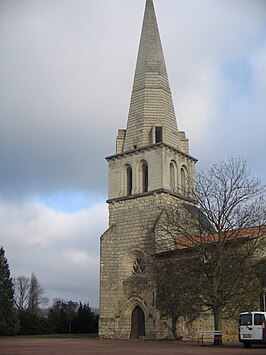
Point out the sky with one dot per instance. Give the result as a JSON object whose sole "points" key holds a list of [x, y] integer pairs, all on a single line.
{"points": [[66, 74]]}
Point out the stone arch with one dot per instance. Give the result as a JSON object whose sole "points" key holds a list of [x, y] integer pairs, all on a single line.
{"points": [[136, 314], [184, 178], [173, 176], [143, 176], [128, 179]]}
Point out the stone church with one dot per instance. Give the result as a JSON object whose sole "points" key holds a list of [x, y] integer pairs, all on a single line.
{"points": [[148, 174], [148, 171]]}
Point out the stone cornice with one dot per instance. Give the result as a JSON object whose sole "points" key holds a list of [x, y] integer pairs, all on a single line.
{"points": [[149, 193], [149, 147]]}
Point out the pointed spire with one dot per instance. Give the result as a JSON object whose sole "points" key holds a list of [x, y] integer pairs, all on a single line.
{"points": [[151, 101], [150, 56]]}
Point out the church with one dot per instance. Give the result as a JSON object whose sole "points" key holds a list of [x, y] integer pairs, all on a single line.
{"points": [[149, 172]]}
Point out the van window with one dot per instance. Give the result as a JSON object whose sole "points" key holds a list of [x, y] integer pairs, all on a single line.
{"points": [[246, 319], [258, 319]]}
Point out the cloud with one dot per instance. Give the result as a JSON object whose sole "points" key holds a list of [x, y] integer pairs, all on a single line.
{"points": [[213, 52], [62, 249], [66, 73], [79, 258]]}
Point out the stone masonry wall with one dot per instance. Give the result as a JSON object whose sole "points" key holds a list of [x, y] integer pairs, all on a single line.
{"points": [[128, 237], [189, 331], [131, 235], [158, 158]]}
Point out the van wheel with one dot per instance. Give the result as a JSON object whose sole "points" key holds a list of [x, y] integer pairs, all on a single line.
{"points": [[247, 345]]}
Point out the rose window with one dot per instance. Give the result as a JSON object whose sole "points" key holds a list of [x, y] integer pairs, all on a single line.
{"points": [[138, 266]]}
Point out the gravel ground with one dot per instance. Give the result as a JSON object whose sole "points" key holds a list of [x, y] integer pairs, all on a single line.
{"points": [[28, 346]]}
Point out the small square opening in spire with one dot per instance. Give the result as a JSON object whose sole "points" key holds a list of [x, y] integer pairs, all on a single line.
{"points": [[158, 134]]}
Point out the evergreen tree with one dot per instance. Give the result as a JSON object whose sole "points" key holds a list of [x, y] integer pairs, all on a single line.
{"points": [[65, 317], [57, 317], [8, 320], [32, 323], [86, 321]]}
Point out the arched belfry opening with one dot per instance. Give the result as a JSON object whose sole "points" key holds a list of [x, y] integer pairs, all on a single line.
{"points": [[137, 323], [173, 176], [145, 173], [128, 180], [184, 177]]}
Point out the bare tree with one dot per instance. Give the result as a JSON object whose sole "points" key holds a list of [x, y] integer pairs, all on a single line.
{"points": [[225, 229], [36, 292], [29, 293], [178, 295], [22, 286]]}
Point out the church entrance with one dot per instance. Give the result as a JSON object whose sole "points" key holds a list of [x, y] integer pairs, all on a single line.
{"points": [[137, 323]]}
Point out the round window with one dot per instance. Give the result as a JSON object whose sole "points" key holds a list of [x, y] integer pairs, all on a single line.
{"points": [[138, 266]]}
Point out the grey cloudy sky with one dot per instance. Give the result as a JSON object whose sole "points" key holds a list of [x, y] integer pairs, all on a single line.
{"points": [[66, 72]]}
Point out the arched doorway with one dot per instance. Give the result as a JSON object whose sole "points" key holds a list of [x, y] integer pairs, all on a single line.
{"points": [[137, 323]]}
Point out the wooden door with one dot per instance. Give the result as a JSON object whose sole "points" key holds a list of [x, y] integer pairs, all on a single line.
{"points": [[137, 323]]}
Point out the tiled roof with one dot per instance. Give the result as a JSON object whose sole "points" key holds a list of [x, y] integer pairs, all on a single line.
{"points": [[190, 242]]}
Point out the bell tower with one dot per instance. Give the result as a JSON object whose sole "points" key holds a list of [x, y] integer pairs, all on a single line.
{"points": [[149, 170]]}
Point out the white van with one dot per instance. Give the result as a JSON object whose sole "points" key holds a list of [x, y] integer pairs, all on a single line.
{"points": [[252, 328]]}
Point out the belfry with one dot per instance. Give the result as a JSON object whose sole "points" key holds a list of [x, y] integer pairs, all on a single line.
{"points": [[149, 170]]}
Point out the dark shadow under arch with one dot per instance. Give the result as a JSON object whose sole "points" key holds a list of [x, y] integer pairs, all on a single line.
{"points": [[137, 323], [129, 180], [145, 177]]}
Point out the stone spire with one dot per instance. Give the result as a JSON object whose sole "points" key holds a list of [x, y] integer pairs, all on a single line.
{"points": [[151, 114]]}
